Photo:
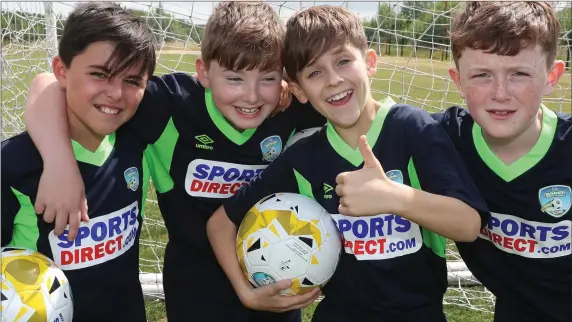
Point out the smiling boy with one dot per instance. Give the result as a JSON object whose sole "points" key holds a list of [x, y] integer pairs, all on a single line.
{"points": [[519, 154]]}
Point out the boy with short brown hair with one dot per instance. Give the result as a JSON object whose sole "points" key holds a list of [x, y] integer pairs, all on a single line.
{"points": [[218, 138], [518, 153], [399, 184]]}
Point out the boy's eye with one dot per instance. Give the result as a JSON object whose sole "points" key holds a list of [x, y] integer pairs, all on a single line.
{"points": [[313, 74], [520, 74], [270, 79], [479, 75], [343, 61], [98, 75], [233, 79], [133, 82]]}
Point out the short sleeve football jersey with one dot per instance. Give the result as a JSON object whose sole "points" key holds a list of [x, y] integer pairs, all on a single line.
{"points": [[523, 253], [201, 159], [102, 263], [389, 261]]}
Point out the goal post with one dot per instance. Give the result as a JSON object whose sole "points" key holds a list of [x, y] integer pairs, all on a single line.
{"points": [[410, 38]]}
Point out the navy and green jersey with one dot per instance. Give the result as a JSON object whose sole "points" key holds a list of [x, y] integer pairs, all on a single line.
{"points": [[201, 159], [104, 257], [389, 262], [523, 254]]}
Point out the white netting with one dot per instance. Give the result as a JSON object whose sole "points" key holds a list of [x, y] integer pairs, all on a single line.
{"points": [[410, 38]]}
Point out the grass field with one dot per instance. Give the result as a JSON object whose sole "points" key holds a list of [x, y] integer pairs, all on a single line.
{"points": [[420, 82]]}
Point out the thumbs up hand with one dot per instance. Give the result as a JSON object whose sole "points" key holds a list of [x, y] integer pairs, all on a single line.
{"points": [[367, 191]]}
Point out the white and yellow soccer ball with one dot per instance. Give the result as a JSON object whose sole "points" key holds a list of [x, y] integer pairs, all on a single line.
{"points": [[288, 236], [300, 135], [33, 288]]}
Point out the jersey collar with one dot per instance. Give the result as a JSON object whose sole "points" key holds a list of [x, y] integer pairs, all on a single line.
{"points": [[97, 157], [222, 124], [354, 156], [527, 161]]}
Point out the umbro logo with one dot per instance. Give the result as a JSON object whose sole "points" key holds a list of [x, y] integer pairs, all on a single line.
{"points": [[205, 142], [328, 191]]}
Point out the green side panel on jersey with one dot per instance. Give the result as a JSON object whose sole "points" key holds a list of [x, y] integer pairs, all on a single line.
{"points": [[26, 232], [527, 161], [354, 156], [159, 156], [304, 186], [222, 124], [436, 242], [145, 186], [97, 157], [291, 134]]}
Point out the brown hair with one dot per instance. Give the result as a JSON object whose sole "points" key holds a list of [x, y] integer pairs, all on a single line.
{"points": [[504, 28], [92, 22], [312, 32], [244, 36]]}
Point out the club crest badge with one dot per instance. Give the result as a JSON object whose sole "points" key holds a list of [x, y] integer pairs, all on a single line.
{"points": [[555, 200], [271, 148], [395, 175], [131, 176]]}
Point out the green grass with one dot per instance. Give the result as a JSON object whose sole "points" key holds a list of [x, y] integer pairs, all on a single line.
{"points": [[420, 82]]}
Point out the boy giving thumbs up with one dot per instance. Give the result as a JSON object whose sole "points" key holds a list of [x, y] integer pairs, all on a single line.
{"points": [[387, 173]]}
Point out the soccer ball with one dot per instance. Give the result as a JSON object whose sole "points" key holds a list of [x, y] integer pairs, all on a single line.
{"points": [[33, 288], [557, 204], [300, 135], [288, 236]]}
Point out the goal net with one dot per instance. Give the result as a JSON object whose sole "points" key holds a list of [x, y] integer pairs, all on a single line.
{"points": [[410, 38]]}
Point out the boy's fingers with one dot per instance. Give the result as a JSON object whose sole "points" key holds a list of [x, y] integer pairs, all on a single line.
{"points": [[340, 178], [60, 223], [74, 221], [39, 207], [280, 285], [49, 215], [301, 301], [84, 215], [339, 190], [369, 159]]}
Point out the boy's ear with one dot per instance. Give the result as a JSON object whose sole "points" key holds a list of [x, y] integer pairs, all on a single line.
{"points": [[60, 72], [297, 91], [202, 72], [554, 75], [456, 78], [371, 62]]}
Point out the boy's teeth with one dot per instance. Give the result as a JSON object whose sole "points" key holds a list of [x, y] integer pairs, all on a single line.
{"points": [[339, 96], [248, 110], [108, 110], [501, 112]]}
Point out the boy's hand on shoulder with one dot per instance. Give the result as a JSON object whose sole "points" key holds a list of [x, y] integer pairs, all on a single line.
{"points": [[285, 99], [268, 298], [61, 197], [367, 191]]}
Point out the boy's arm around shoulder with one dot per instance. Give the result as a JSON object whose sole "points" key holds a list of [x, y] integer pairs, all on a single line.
{"points": [[163, 95], [61, 192], [222, 230]]}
